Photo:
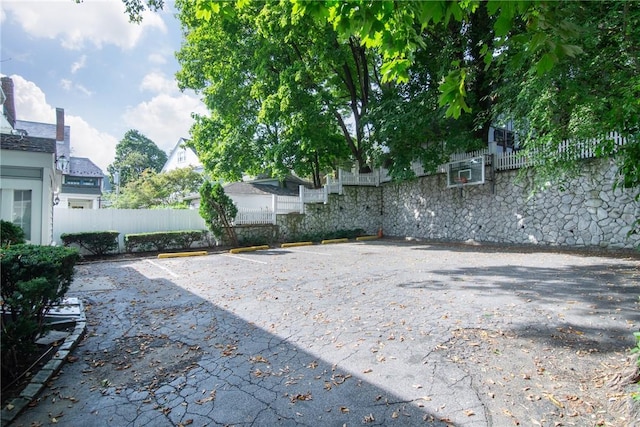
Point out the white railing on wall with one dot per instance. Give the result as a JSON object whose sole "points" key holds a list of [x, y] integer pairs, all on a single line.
{"points": [[319, 195], [506, 161], [363, 179], [287, 204], [254, 216], [334, 186], [503, 161]]}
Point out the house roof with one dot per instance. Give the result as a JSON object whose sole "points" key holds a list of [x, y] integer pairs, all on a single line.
{"points": [[47, 130], [259, 189], [81, 166], [179, 145], [171, 157], [27, 143], [43, 130]]}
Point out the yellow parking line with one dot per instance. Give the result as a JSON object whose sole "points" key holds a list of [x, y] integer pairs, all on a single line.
{"points": [[293, 244], [361, 238], [248, 249], [182, 254], [343, 240]]}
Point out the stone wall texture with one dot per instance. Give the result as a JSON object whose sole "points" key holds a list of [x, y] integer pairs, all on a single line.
{"points": [[587, 212]]}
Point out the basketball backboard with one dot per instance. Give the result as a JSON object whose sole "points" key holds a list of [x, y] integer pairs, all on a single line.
{"points": [[465, 172]]}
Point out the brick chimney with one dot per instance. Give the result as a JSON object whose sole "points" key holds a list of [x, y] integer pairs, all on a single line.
{"points": [[9, 107], [60, 124]]}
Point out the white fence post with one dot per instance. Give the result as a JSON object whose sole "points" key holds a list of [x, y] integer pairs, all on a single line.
{"points": [[274, 208]]}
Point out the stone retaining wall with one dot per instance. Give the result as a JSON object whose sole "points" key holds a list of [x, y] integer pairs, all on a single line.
{"points": [[357, 208], [587, 213]]}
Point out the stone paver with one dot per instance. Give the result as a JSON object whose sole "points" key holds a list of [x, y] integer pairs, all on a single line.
{"points": [[373, 333]]}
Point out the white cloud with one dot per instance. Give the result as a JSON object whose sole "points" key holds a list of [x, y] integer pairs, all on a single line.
{"points": [[84, 90], [30, 102], [86, 141], [80, 63], [157, 58], [159, 83], [70, 86], [75, 25], [165, 118]]}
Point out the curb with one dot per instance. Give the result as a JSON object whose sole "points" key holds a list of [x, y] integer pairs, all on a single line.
{"points": [[39, 381], [363, 238], [182, 254], [248, 249], [293, 244], [343, 240]]}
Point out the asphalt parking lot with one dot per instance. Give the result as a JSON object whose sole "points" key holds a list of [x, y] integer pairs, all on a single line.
{"points": [[373, 333]]}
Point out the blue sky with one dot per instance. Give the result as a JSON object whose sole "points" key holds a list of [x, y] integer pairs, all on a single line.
{"points": [[109, 75]]}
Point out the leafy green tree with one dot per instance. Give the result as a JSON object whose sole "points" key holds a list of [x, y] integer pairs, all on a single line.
{"points": [[274, 105], [135, 153], [582, 100], [159, 190], [559, 69], [218, 211]]}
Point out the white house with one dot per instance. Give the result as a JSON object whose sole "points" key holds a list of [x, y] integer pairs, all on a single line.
{"points": [[28, 175], [182, 156], [81, 186]]}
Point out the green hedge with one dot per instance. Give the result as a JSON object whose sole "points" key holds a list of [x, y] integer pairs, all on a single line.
{"points": [[96, 242], [160, 241], [33, 277], [338, 234], [10, 234]]}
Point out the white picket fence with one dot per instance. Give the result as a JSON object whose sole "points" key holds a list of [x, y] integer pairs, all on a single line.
{"points": [[279, 205], [254, 216], [503, 161]]}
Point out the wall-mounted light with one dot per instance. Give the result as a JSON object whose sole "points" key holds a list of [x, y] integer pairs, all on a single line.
{"points": [[56, 200], [62, 163]]}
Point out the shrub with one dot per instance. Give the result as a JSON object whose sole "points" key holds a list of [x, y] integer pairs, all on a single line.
{"points": [[96, 242], [160, 241], [338, 234], [10, 234], [636, 350], [32, 277]]}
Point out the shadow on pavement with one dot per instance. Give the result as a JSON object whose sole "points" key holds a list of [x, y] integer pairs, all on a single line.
{"points": [[155, 354]]}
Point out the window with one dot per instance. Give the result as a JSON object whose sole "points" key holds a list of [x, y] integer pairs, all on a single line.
{"points": [[182, 156], [504, 138], [81, 181], [22, 211]]}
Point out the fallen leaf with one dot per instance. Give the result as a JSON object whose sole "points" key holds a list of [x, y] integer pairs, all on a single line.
{"points": [[295, 398], [344, 409], [368, 418], [554, 401], [211, 398], [258, 359], [469, 413], [366, 371]]}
